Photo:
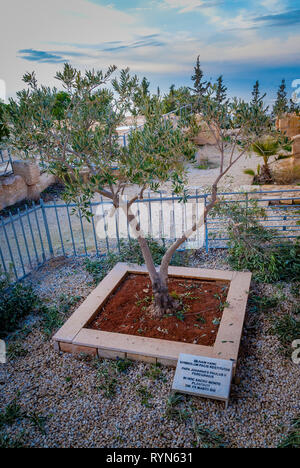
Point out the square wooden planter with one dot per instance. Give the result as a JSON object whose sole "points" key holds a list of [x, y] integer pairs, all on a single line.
{"points": [[74, 337]]}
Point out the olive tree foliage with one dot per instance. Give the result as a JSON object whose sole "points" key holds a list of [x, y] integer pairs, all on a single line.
{"points": [[176, 98], [87, 138], [4, 130], [235, 126]]}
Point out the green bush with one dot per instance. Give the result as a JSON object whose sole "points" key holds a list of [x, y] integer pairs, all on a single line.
{"points": [[130, 252], [268, 263], [53, 317], [287, 329], [253, 247], [19, 300], [16, 302]]}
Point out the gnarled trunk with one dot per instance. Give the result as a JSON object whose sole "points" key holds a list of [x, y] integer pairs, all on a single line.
{"points": [[163, 303]]}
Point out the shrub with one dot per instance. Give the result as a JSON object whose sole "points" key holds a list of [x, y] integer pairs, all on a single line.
{"points": [[208, 438], [254, 247], [287, 329], [7, 442], [10, 414], [53, 317], [16, 302]]}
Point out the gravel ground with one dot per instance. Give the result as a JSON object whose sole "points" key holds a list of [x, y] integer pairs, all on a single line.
{"points": [[65, 389]]}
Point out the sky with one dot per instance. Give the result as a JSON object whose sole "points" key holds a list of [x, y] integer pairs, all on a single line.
{"points": [[244, 41]]}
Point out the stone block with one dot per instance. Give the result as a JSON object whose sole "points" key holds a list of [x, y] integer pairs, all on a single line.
{"points": [[28, 170], [205, 135], [33, 192], [45, 180], [289, 125], [69, 348], [108, 354], [296, 146], [141, 357], [14, 190]]}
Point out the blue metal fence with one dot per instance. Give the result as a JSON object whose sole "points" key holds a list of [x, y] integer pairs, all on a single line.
{"points": [[282, 214], [5, 161], [39, 232]]}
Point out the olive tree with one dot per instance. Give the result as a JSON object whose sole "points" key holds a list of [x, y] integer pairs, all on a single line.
{"points": [[87, 138]]}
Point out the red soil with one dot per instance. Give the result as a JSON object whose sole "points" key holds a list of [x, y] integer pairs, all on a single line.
{"points": [[127, 310]]}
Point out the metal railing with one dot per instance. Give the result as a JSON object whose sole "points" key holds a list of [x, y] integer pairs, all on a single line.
{"points": [[281, 208], [32, 236], [5, 161]]}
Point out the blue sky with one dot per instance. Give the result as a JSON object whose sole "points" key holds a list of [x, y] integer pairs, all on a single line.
{"points": [[243, 40]]}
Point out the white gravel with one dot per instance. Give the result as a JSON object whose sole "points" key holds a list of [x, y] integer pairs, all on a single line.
{"points": [[65, 389]]}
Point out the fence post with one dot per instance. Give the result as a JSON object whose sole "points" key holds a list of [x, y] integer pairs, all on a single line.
{"points": [[51, 251], [247, 208], [9, 157], [206, 226]]}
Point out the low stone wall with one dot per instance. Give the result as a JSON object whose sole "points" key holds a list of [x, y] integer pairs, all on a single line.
{"points": [[26, 183]]}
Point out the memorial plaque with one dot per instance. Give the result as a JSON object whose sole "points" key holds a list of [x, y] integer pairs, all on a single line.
{"points": [[203, 376]]}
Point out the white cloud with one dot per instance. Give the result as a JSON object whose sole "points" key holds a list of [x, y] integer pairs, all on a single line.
{"points": [[184, 6], [240, 22], [276, 51], [81, 29], [178, 54], [273, 5], [36, 24]]}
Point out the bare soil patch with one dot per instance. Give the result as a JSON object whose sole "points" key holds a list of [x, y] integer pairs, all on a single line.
{"points": [[127, 311]]}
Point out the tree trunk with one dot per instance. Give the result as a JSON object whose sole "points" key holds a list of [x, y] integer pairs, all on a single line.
{"points": [[266, 175], [163, 303]]}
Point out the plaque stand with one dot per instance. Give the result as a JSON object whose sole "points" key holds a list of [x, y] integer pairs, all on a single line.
{"points": [[204, 377]]}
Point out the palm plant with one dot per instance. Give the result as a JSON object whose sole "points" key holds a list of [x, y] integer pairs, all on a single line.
{"points": [[266, 148]]}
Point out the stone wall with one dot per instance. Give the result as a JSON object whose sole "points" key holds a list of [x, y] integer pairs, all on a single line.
{"points": [[289, 125], [205, 136], [296, 150], [26, 183]]}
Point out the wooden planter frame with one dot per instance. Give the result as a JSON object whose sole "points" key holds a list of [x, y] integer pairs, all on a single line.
{"points": [[74, 337]]}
